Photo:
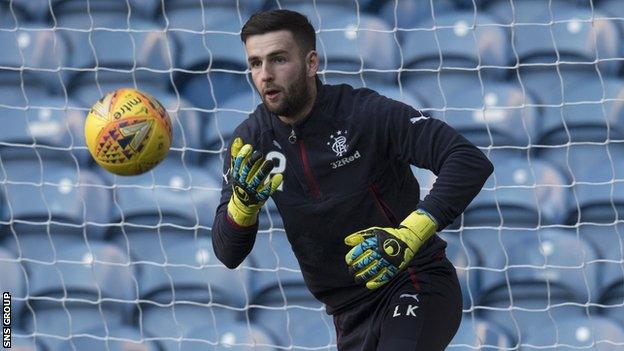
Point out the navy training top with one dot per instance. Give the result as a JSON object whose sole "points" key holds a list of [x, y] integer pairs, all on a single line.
{"points": [[347, 168]]}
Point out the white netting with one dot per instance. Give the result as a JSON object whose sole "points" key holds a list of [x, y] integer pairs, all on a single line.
{"points": [[94, 261]]}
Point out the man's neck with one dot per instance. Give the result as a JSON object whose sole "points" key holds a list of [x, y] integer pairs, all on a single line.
{"points": [[305, 111]]}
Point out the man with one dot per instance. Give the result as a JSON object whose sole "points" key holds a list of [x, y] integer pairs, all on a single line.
{"points": [[350, 205]]}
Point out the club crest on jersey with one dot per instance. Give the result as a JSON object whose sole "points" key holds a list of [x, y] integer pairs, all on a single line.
{"points": [[339, 144]]}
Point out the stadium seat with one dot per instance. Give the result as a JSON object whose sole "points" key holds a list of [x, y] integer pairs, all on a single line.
{"points": [[280, 294], [527, 194], [320, 11], [595, 332], [33, 57], [612, 272], [231, 336], [200, 11], [475, 333], [464, 256], [141, 55], [11, 18], [52, 207], [111, 338], [220, 126], [172, 201], [212, 55], [541, 272], [13, 280], [192, 288], [21, 342], [590, 110], [564, 53], [408, 14], [187, 124], [501, 116], [450, 41], [600, 191], [358, 43], [101, 11], [448, 56], [86, 287], [52, 128]]}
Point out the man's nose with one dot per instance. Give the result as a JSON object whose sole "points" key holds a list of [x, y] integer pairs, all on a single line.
{"points": [[266, 73]]}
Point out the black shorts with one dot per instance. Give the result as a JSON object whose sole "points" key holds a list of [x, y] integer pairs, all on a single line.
{"points": [[420, 309]]}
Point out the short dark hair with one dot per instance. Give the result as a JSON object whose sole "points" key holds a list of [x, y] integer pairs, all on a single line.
{"points": [[270, 21]]}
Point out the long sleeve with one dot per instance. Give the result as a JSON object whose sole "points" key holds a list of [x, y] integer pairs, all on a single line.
{"points": [[231, 243], [426, 142]]}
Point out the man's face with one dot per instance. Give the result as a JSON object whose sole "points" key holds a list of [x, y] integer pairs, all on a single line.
{"points": [[278, 71]]}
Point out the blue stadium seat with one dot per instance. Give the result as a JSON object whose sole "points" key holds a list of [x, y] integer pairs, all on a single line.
{"points": [[33, 57], [562, 54], [187, 124], [527, 194], [541, 272], [408, 14], [220, 126], [12, 279], [117, 54], [501, 115], [451, 58], [52, 127], [192, 288], [215, 61], [464, 256], [172, 201], [7, 18], [591, 109], [111, 338], [22, 342], [612, 274], [281, 295], [229, 336], [320, 11], [199, 12], [68, 207], [600, 192], [455, 44], [86, 287], [80, 14], [475, 333], [613, 9], [595, 332], [350, 43]]}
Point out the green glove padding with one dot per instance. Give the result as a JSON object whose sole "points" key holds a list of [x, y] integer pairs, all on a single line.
{"points": [[248, 174], [379, 253]]}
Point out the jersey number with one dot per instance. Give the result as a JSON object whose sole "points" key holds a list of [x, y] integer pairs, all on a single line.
{"points": [[280, 164]]}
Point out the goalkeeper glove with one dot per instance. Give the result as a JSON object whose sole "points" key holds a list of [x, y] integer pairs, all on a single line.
{"points": [[379, 253], [248, 173]]}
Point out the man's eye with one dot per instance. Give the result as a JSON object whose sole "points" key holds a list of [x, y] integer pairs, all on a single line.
{"points": [[279, 59], [254, 64]]}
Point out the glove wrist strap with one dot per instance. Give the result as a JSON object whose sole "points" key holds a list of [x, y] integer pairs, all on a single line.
{"points": [[421, 224], [242, 215]]}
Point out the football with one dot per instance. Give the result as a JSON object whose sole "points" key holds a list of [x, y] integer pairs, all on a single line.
{"points": [[128, 132]]}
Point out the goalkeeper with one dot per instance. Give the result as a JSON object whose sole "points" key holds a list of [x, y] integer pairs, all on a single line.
{"points": [[351, 208]]}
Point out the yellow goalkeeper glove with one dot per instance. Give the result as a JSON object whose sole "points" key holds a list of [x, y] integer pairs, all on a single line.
{"points": [[379, 253], [248, 172]]}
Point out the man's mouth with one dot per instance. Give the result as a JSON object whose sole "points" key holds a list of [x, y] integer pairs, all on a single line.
{"points": [[271, 93]]}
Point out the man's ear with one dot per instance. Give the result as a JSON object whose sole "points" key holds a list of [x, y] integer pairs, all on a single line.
{"points": [[312, 63]]}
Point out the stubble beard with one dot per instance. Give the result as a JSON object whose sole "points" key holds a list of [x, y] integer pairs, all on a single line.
{"points": [[294, 99]]}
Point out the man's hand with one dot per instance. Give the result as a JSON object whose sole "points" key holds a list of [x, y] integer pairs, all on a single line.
{"points": [[248, 172], [379, 253]]}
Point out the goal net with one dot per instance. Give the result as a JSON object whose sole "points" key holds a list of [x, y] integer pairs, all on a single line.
{"points": [[94, 261]]}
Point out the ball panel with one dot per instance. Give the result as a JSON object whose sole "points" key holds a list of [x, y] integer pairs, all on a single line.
{"points": [[128, 132]]}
